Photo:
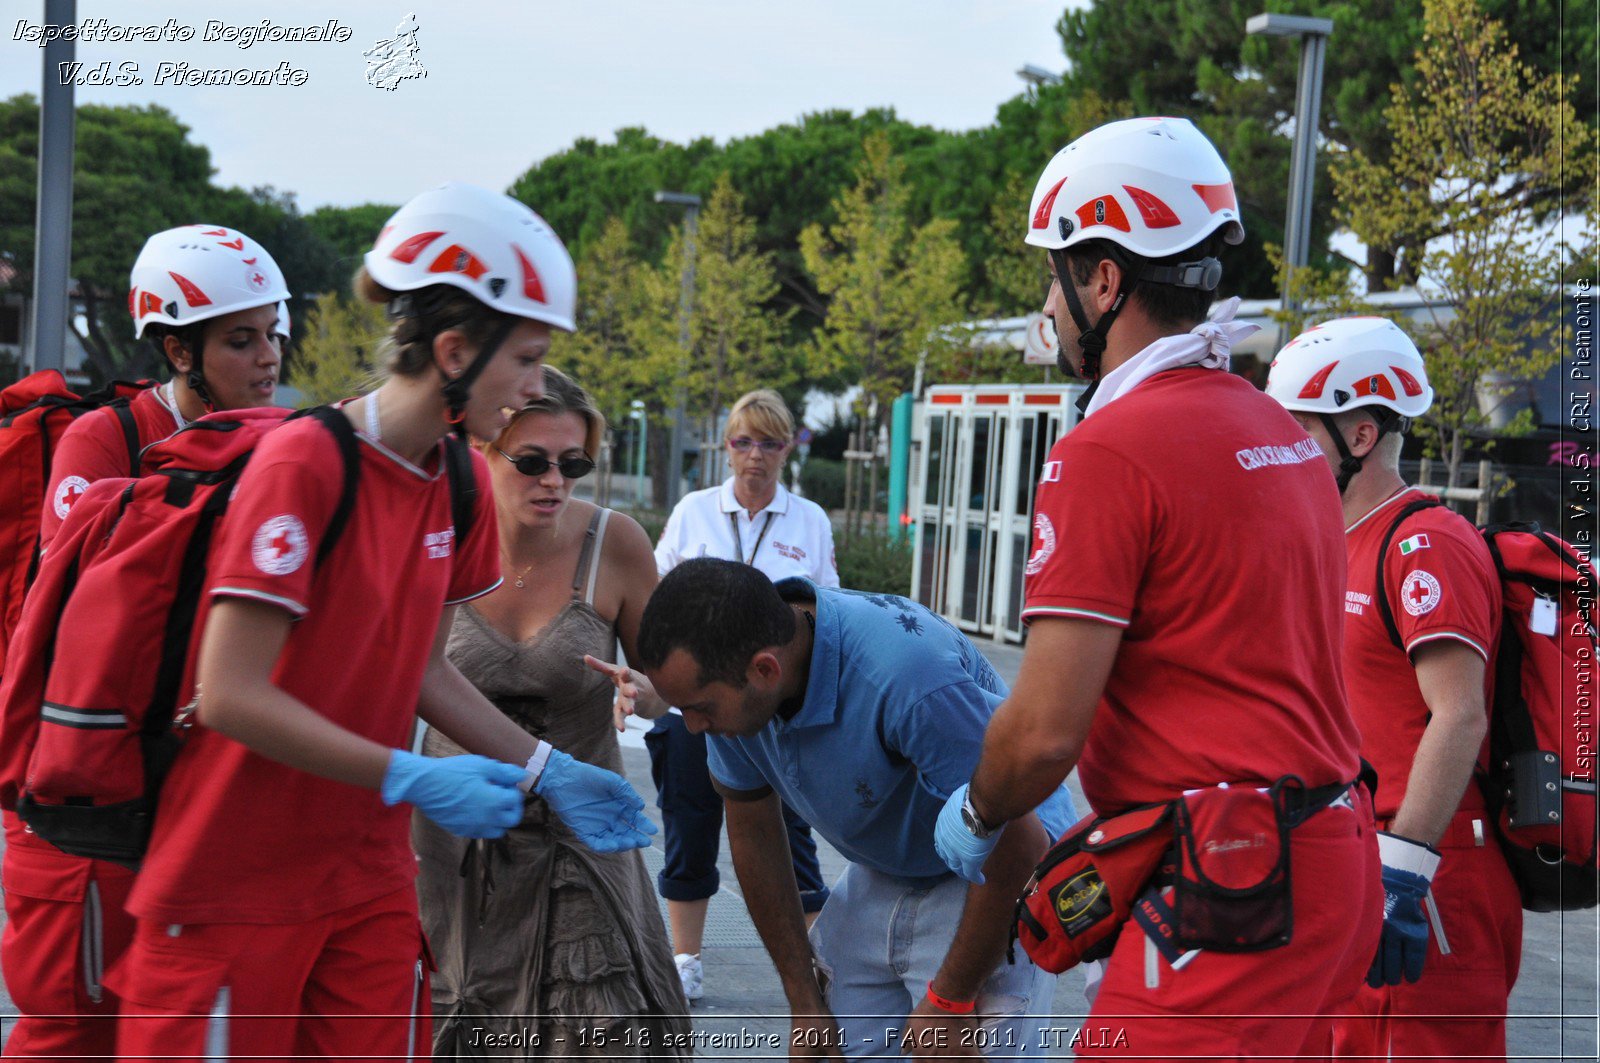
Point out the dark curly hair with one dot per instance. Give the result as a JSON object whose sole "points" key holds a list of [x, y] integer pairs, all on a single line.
{"points": [[722, 613]]}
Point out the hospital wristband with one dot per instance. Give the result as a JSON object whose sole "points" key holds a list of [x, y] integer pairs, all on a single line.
{"points": [[954, 1007], [535, 766]]}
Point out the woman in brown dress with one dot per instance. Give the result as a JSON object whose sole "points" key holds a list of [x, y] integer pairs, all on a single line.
{"points": [[542, 944]]}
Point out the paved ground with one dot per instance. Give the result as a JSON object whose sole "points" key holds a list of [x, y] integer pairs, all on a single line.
{"points": [[743, 1016]]}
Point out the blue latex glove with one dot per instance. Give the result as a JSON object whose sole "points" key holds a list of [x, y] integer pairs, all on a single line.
{"points": [[965, 852], [469, 796], [1408, 869], [597, 805]]}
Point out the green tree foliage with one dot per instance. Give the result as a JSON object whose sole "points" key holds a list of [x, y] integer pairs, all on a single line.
{"points": [[578, 191], [338, 352], [136, 173], [1484, 147], [349, 232], [625, 348], [736, 339], [618, 332], [891, 285], [1241, 90]]}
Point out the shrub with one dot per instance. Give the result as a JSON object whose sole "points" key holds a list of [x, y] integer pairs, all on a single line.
{"points": [[822, 480], [873, 562]]}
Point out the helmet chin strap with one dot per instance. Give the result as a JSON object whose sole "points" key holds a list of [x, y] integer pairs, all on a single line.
{"points": [[1349, 464], [457, 389], [1091, 340], [197, 384], [195, 377]]}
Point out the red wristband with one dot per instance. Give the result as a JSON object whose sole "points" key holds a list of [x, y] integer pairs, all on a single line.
{"points": [[954, 1007]]}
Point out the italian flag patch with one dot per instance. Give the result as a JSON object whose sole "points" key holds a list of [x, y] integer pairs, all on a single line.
{"points": [[1413, 544]]}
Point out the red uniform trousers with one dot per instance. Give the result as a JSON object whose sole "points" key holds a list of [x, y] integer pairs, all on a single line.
{"points": [[65, 925], [1255, 1005], [1482, 916], [352, 984]]}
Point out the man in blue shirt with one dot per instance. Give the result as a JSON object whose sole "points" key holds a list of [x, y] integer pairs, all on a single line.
{"points": [[863, 712]]}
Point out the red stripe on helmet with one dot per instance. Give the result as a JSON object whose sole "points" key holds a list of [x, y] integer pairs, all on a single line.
{"points": [[191, 292], [237, 244], [457, 259], [1314, 386], [1041, 217], [1217, 197], [1376, 384], [532, 286], [1407, 381], [1103, 210], [408, 251], [1155, 213]]}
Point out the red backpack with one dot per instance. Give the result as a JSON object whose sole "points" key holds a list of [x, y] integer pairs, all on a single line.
{"points": [[34, 412], [89, 733], [1540, 779]]}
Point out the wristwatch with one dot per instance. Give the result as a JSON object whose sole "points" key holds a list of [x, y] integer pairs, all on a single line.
{"points": [[974, 824]]}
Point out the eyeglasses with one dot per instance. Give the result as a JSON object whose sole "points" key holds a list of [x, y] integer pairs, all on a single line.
{"points": [[538, 465], [766, 446]]}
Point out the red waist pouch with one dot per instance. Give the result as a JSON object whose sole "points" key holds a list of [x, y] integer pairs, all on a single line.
{"points": [[1079, 897]]}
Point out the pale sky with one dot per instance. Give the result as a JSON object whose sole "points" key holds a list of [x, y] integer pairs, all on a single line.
{"points": [[510, 83]]}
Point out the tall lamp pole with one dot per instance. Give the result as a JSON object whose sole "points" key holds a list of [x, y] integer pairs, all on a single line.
{"points": [[52, 245], [641, 480], [1313, 34], [691, 224]]}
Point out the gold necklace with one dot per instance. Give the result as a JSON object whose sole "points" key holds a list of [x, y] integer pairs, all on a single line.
{"points": [[523, 574]]}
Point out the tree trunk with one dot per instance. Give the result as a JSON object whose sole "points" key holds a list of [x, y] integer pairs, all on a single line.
{"points": [[102, 359], [1452, 454], [659, 446], [1379, 269]]}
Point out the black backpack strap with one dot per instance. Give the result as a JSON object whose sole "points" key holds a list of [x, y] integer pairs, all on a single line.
{"points": [[1382, 595], [130, 433], [463, 487], [344, 435]]}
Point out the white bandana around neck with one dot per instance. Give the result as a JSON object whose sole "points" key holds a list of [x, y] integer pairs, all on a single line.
{"points": [[1209, 345]]}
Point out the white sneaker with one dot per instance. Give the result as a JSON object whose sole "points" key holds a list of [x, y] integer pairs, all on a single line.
{"points": [[691, 975]]}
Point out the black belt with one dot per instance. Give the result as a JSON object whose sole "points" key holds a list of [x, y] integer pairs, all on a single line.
{"points": [[1302, 804]]}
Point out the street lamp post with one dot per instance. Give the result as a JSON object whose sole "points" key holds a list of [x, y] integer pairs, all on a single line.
{"points": [[640, 479], [52, 245], [1313, 34], [1038, 76], [691, 224]]}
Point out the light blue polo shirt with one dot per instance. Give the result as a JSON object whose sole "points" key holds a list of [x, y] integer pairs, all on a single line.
{"points": [[895, 709]]}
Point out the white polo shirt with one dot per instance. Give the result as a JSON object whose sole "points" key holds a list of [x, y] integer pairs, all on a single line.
{"points": [[792, 536]]}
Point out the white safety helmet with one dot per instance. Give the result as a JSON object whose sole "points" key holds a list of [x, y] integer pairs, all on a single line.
{"points": [[281, 326], [196, 272], [487, 244], [1154, 186], [1350, 363]]}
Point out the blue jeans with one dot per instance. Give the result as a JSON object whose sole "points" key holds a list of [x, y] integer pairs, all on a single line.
{"points": [[691, 820], [881, 939]]}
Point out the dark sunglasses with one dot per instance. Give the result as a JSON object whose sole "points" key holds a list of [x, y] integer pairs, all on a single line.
{"points": [[538, 465]]}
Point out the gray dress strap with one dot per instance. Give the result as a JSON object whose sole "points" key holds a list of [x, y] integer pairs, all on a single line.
{"points": [[596, 549]]}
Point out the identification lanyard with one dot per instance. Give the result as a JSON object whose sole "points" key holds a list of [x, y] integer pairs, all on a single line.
{"points": [[738, 542]]}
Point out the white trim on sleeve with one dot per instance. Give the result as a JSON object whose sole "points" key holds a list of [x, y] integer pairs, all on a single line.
{"points": [[1434, 636], [1067, 610], [288, 604]]}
